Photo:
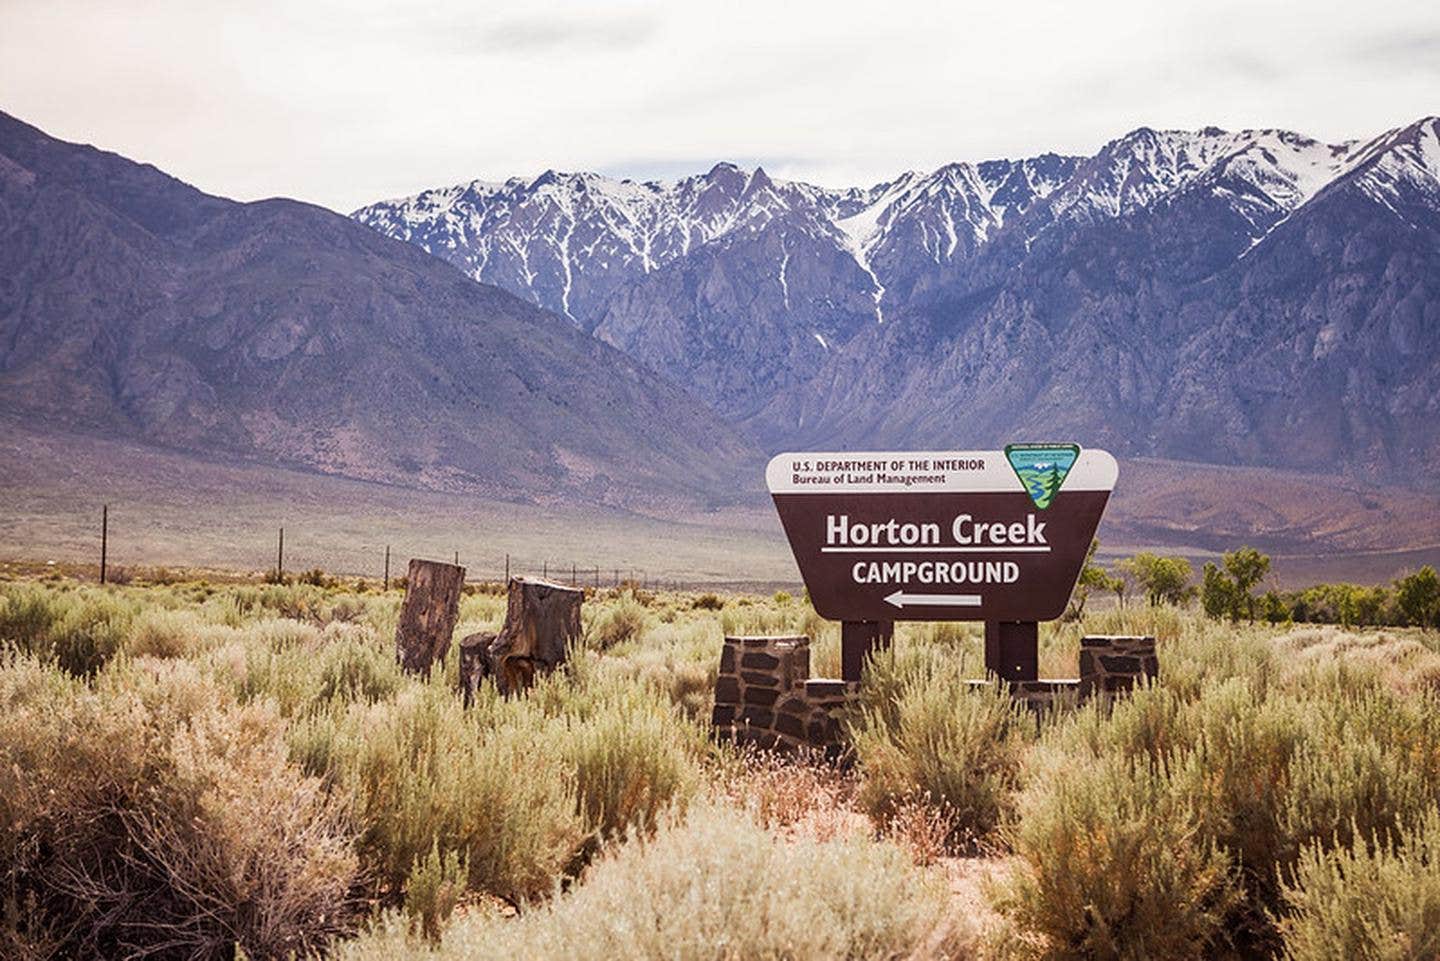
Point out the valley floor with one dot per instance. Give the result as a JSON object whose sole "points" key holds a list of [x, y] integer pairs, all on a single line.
{"points": [[171, 509]]}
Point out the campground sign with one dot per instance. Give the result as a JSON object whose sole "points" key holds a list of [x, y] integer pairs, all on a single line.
{"points": [[942, 535]]}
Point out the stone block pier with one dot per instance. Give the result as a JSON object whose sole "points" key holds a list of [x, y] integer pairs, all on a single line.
{"points": [[765, 696]]}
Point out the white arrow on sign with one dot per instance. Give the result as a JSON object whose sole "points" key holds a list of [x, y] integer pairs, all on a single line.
{"points": [[900, 599]]}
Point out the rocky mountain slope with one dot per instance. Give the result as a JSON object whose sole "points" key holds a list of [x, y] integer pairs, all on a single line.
{"points": [[134, 306], [1252, 298]]}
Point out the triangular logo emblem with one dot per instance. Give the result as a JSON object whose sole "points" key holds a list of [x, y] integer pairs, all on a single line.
{"points": [[1042, 468]]}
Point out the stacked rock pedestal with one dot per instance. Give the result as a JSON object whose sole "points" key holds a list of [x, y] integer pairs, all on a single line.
{"points": [[1111, 663], [764, 695]]}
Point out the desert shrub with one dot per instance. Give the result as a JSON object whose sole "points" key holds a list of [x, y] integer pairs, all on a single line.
{"points": [[296, 602], [1241, 752], [1224, 756], [1258, 771], [79, 630], [718, 885], [432, 889], [621, 619], [678, 660], [708, 602], [928, 735], [1370, 766], [153, 814], [282, 633], [315, 577], [1115, 865], [349, 608], [1402, 662], [27, 613], [163, 633], [1197, 655], [357, 668], [1376, 899], [632, 758], [255, 672], [1162, 621], [948, 633], [422, 773]]}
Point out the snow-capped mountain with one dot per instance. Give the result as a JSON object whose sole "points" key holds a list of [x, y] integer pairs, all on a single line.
{"points": [[1119, 296], [568, 240]]}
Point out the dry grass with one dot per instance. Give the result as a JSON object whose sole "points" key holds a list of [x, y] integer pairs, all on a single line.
{"points": [[592, 817], [718, 885], [801, 796], [1396, 655]]}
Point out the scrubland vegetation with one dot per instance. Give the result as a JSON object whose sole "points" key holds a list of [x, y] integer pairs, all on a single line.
{"points": [[187, 768]]}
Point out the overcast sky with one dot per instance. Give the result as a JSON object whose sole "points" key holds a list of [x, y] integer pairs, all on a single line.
{"points": [[342, 103]]}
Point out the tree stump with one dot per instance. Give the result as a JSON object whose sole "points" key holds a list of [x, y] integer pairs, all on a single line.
{"points": [[427, 620], [474, 663], [541, 619]]}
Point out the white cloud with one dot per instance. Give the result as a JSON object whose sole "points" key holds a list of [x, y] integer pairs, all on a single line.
{"points": [[344, 102]]}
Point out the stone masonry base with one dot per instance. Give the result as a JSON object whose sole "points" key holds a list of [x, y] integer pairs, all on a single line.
{"points": [[765, 696]]}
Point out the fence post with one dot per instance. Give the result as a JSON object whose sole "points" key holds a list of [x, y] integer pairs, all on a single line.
{"points": [[104, 539]]}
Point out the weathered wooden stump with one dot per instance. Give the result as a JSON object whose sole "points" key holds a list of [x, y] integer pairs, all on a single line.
{"points": [[474, 663], [427, 620], [541, 619]]}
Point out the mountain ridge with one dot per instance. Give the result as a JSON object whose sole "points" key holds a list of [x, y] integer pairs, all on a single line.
{"points": [[1030, 272], [135, 305]]}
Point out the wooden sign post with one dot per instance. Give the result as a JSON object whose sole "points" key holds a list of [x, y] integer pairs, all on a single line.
{"points": [[993, 536]]}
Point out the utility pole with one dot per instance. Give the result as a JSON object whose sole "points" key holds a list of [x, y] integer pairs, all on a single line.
{"points": [[507, 570], [387, 567], [104, 539], [573, 570], [280, 557]]}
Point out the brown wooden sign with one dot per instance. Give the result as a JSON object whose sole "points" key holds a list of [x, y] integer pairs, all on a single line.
{"points": [[942, 535]]}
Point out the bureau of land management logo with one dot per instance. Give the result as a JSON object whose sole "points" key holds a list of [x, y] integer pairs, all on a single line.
{"points": [[1042, 468]]}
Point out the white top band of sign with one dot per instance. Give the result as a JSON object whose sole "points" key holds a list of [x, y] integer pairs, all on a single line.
{"points": [[920, 472]]}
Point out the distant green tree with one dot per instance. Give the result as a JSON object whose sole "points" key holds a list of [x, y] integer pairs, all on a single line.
{"points": [[1417, 597], [1370, 605], [1163, 579], [1272, 607], [1217, 592], [1120, 584], [1229, 592], [1247, 567]]}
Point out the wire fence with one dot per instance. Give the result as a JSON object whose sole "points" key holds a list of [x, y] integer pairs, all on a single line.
{"points": [[388, 565]]}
